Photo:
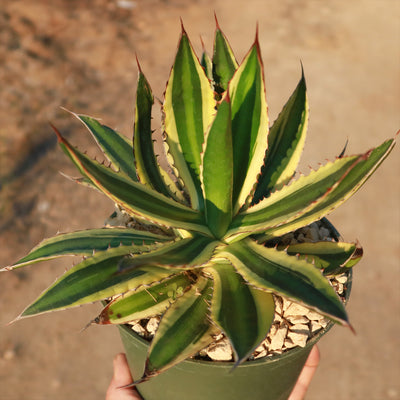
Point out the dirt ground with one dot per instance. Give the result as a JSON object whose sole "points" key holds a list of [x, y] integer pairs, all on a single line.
{"points": [[81, 55]]}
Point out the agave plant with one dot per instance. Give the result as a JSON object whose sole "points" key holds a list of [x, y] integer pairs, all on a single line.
{"points": [[207, 261]]}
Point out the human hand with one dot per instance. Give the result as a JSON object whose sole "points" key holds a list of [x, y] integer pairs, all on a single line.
{"points": [[122, 377], [306, 375]]}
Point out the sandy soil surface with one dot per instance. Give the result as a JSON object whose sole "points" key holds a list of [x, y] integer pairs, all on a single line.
{"points": [[81, 55]]}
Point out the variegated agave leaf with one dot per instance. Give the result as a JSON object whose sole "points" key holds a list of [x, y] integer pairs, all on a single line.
{"points": [[231, 198]]}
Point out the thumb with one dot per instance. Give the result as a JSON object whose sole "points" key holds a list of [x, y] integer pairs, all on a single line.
{"points": [[121, 377], [306, 375]]}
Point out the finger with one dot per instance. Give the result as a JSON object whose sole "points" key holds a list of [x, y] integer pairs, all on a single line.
{"points": [[121, 377], [122, 374], [306, 375]]}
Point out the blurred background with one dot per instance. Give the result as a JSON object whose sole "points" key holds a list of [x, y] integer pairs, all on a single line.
{"points": [[81, 55]]}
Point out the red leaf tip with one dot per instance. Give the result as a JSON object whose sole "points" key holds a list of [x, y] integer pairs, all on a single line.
{"points": [[257, 31], [352, 329], [216, 21], [57, 132], [138, 63], [182, 27]]}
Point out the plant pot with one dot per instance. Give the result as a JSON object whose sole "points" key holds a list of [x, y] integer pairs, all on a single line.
{"points": [[270, 378]]}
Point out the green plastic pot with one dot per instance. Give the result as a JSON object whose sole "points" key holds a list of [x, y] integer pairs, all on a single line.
{"points": [[270, 378]]}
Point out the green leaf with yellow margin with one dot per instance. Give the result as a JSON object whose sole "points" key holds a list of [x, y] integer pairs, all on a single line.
{"points": [[224, 62], [116, 147], [277, 272], [134, 197], [189, 108], [148, 169], [145, 302], [86, 243], [285, 143], [217, 171], [332, 257], [243, 313], [249, 125], [95, 278], [347, 185], [183, 331], [182, 254], [310, 197]]}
